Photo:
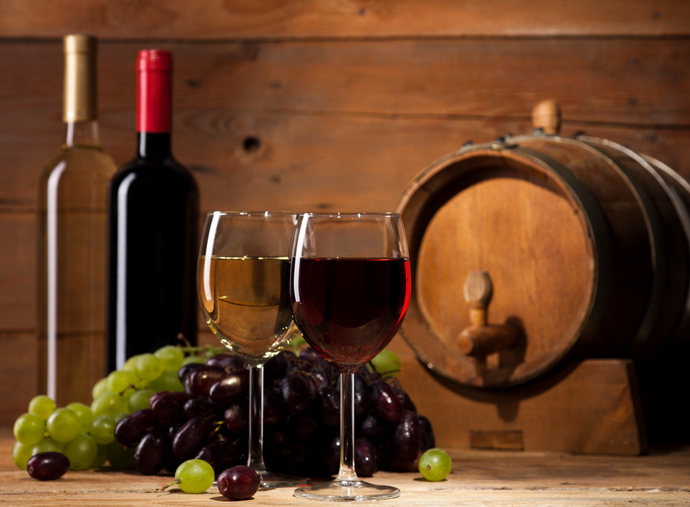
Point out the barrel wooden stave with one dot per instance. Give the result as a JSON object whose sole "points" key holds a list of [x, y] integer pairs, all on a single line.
{"points": [[564, 232]]}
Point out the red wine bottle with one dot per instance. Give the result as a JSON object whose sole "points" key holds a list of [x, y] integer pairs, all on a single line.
{"points": [[153, 208]]}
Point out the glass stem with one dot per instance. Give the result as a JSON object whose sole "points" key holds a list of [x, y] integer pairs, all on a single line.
{"points": [[347, 428], [255, 459]]}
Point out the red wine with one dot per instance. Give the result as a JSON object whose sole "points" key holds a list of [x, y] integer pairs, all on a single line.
{"points": [[349, 309], [153, 207]]}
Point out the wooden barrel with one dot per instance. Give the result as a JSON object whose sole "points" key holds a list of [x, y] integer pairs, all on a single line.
{"points": [[585, 243]]}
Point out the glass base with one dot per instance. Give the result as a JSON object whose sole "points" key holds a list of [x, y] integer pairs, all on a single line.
{"points": [[341, 490], [272, 480]]}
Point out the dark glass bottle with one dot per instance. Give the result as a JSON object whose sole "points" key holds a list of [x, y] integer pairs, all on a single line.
{"points": [[153, 208]]}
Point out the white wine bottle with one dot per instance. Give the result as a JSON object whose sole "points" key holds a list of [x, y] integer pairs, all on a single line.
{"points": [[71, 240]]}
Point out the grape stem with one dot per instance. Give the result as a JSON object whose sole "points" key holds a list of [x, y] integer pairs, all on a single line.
{"points": [[176, 481]]}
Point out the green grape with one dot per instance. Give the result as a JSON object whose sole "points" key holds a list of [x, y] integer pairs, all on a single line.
{"points": [[109, 404], [387, 363], [21, 454], [47, 444], [81, 452], [166, 381], [103, 429], [435, 464], [193, 359], [130, 364], [296, 343], [63, 425], [99, 388], [123, 382], [148, 367], [171, 357], [84, 413], [28, 429], [194, 476], [101, 458], [140, 400], [120, 416], [42, 406], [119, 456]]}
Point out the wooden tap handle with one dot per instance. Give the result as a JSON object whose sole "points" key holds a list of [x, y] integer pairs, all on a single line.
{"points": [[478, 293], [480, 338], [546, 115], [480, 341]]}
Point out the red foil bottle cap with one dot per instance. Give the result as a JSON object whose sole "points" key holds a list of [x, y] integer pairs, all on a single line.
{"points": [[154, 93]]}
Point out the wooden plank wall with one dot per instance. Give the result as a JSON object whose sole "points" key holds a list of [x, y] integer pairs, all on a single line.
{"points": [[325, 105]]}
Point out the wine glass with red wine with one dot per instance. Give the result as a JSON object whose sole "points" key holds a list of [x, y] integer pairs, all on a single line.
{"points": [[243, 290], [349, 290]]}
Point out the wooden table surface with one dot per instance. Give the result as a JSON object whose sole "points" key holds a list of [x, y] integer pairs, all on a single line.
{"points": [[493, 478]]}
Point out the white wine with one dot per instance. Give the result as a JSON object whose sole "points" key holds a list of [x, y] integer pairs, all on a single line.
{"points": [[71, 241], [247, 304]]}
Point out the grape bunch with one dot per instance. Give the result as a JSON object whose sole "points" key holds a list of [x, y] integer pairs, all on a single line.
{"points": [[84, 434], [162, 410]]}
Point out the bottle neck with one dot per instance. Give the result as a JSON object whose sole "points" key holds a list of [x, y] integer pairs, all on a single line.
{"points": [[82, 133], [154, 104], [153, 146]]}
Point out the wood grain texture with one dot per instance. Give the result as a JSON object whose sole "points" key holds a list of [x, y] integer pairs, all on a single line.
{"points": [[223, 19], [18, 373], [478, 478], [335, 104], [323, 108], [593, 407]]}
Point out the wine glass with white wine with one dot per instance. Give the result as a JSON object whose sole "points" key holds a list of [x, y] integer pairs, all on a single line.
{"points": [[242, 277]]}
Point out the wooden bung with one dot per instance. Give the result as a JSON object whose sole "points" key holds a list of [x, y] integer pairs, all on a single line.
{"points": [[568, 227], [480, 338], [546, 115]]}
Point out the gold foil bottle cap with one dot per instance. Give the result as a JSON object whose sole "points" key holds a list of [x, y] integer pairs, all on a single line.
{"points": [[80, 78]]}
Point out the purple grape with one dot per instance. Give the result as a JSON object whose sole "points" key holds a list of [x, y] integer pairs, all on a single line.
{"points": [[428, 437], [134, 426], [328, 401], [170, 406], [230, 388], [405, 401], [361, 395], [273, 411], [152, 453], [236, 417], [366, 457], [220, 455], [190, 437], [238, 483], [47, 466], [310, 354], [173, 429], [407, 438], [275, 368], [185, 369], [384, 402], [226, 361], [155, 396], [369, 426], [295, 393], [330, 456], [199, 407], [303, 425], [172, 463], [199, 380], [397, 464], [319, 378]]}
